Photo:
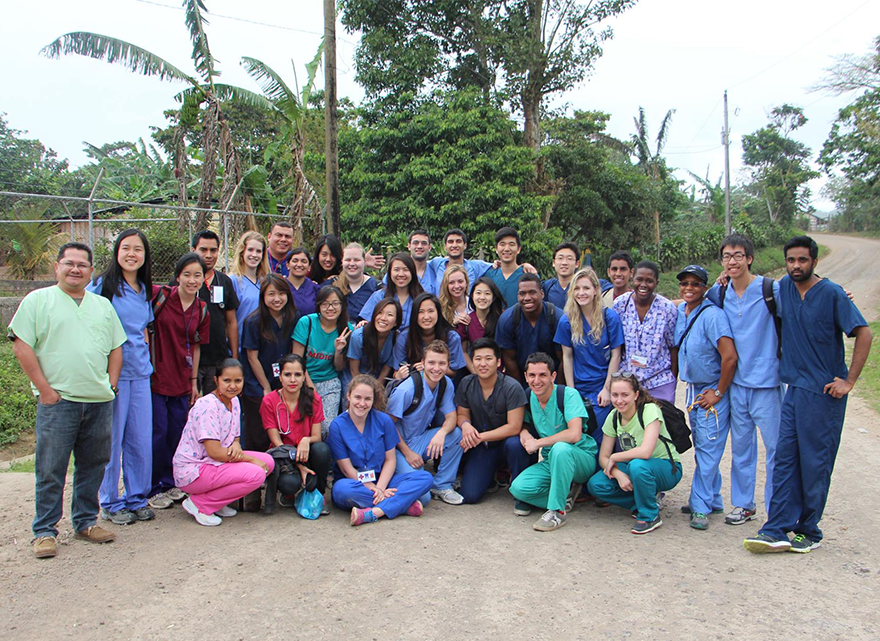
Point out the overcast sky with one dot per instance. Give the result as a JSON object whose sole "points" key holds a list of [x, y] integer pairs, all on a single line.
{"points": [[675, 54]]}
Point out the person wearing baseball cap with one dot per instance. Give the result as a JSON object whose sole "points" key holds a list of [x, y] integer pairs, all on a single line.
{"points": [[706, 362]]}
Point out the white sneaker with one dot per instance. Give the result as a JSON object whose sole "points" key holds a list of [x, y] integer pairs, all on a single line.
{"points": [[226, 512], [202, 519], [176, 494], [448, 496]]}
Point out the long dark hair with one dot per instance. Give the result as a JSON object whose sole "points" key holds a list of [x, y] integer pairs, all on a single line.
{"points": [[323, 294], [317, 272], [495, 309], [112, 278], [289, 313], [305, 404], [415, 344], [370, 353], [414, 287]]}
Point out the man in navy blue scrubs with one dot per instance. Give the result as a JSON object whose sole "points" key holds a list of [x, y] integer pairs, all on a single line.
{"points": [[815, 313]]}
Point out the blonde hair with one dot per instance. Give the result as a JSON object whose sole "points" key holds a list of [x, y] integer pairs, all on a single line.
{"points": [[447, 305], [596, 315], [342, 279], [238, 267]]}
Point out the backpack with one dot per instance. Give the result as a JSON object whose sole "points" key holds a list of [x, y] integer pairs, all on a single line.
{"points": [[552, 318], [769, 301], [675, 423], [158, 304], [588, 426], [418, 391]]}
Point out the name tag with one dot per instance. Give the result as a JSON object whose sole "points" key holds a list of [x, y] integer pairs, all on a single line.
{"points": [[217, 294], [366, 476], [638, 360], [276, 370]]}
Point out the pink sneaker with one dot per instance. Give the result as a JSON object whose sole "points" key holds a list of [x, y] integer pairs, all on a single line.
{"points": [[362, 515], [416, 509]]}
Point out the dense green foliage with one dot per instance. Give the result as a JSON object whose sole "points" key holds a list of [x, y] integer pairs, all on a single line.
{"points": [[18, 411]]}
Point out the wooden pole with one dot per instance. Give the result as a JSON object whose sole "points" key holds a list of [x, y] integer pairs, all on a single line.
{"points": [[726, 169], [331, 132]]}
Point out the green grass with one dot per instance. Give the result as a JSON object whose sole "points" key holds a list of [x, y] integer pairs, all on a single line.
{"points": [[18, 406], [24, 467], [868, 385]]}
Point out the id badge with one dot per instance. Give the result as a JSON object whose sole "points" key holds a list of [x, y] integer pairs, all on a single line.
{"points": [[276, 370], [638, 360], [366, 476], [217, 294], [189, 361]]}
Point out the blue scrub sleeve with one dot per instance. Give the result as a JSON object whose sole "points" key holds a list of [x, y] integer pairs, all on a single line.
{"points": [[398, 355], [847, 314], [456, 355], [370, 305], [250, 333], [480, 268], [335, 440], [389, 431], [504, 331], [717, 326], [614, 328], [563, 332], [356, 344]]}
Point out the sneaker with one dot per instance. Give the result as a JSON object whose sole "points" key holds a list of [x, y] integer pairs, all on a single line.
{"points": [[285, 501], [144, 514], [600, 502], [45, 547], [160, 501], [360, 516], [226, 512], [520, 508], [802, 544], [686, 509], [571, 499], [448, 496], [120, 517], [176, 494], [327, 507], [661, 500], [552, 520], [740, 515], [415, 509], [209, 520], [699, 521], [494, 486], [763, 544], [643, 527], [584, 496], [95, 534]]}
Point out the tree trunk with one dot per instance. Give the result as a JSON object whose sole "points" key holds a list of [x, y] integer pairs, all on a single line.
{"points": [[180, 163], [210, 140], [331, 151]]}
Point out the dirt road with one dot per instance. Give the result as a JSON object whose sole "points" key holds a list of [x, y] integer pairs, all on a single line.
{"points": [[464, 572]]}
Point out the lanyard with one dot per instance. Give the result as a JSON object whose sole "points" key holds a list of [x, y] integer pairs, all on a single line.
{"points": [[275, 264], [186, 322]]}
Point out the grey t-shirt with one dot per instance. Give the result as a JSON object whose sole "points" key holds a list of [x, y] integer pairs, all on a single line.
{"points": [[489, 414]]}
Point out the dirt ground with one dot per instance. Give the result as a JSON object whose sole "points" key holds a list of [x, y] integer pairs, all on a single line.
{"points": [[464, 572]]}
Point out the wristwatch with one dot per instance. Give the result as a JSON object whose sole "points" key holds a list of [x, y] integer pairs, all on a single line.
{"points": [[115, 390], [718, 394]]}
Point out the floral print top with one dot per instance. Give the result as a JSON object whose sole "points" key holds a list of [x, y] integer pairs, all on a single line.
{"points": [[648, 340], [208, 420]]}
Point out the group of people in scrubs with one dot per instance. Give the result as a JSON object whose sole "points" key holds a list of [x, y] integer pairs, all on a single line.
{"points": [[240, 392]]}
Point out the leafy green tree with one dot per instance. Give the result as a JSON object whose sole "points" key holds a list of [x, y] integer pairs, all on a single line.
{"points": [[26, 165], [780, 165], [652, 163]]}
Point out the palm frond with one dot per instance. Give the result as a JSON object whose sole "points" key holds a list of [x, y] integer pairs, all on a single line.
{"points": [[201, 54], [115, 51], [273, 86], [231, 93], [663, 134], [311, 72]]}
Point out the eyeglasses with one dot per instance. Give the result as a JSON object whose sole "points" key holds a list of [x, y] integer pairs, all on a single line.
{"points": [[626, 375], [691, 284], [737, 256], [69, 265], [330, 305]]}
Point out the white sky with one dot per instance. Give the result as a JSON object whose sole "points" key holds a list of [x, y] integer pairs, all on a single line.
{"points": [[678, 54]]}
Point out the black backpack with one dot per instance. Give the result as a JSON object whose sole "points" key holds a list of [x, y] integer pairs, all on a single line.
{"points": [[769, 301], [588, 426], [552, 318], [418, 391], [675, 422], [157, 304]]}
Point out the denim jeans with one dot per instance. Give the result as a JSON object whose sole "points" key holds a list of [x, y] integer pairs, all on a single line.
{"points": [[66, 427]]}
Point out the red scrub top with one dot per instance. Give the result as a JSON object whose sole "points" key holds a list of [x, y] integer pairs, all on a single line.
{"points": [[174, 328], [292, 427]]}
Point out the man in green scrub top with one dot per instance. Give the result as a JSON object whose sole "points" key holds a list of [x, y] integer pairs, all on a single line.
{"points": [[568, 455], [69, 344]]}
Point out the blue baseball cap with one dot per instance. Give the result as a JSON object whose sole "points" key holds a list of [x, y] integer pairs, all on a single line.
{"points": [[694, 270]]}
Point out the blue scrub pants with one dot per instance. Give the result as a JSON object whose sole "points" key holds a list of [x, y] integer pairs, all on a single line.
{"points": [[710, 437], [648, 477], [480, 464], [132, 442], [809, 435], [750, 407], [449, 460], [169, 419], [348, 493]]}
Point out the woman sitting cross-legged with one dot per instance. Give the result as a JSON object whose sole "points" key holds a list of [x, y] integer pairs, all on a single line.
{"points": [[648, 462], [209, 463], [363, 441]]}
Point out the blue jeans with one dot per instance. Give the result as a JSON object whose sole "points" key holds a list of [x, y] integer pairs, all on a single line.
{"points": [[480, 464], [66, 427]]}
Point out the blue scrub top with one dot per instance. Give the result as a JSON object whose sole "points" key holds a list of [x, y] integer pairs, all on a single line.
{"points": [[508, 286], [373, 300], [423, 418], [356, 300], [553, 292], [429, 281], [248, 293], [278, 266], [304, 297], [475, 268], [528, 339], [365, 451], [453, 341], [754, 333], [268, 352], [356, 352], [134, 313], [698, 357], [591, 359], [812, 333]]}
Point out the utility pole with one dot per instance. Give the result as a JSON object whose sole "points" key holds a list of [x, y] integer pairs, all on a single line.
{"points": [[726, 141], [331, 132]]}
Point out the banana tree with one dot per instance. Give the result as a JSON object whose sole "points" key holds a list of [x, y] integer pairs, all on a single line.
{"points": [[713, 196], [292, 107], [215, 139], [651, 163]]}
